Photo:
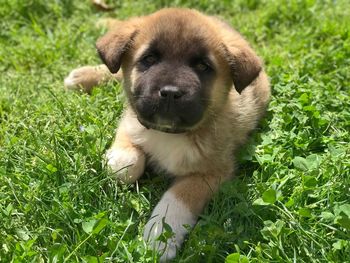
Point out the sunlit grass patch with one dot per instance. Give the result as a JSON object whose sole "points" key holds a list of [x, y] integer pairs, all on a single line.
{"points": [[290, 201]]}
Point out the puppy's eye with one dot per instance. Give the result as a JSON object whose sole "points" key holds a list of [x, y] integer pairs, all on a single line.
{"points": [[202, 66], [149, 60]]}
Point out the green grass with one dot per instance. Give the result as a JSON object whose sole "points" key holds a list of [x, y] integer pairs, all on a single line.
{"points": [[290, 201]]}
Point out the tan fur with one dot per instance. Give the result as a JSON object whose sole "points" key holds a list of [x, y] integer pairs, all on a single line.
{"points": [[202, 158], [87, 77]]}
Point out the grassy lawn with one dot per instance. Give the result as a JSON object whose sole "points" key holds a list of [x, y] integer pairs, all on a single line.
{"points": [[290, 201]]}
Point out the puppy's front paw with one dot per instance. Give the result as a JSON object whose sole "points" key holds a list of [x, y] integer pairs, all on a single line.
{"points": [[167, 238], [86, 77], [127, 163]]}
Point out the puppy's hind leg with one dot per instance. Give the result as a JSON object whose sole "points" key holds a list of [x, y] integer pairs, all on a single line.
{"points": [[108, 23], [87, 77]]}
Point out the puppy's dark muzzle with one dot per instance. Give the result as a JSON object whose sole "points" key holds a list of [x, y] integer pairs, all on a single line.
{"points": [[170, 101], [170, 93], [171, 110]]}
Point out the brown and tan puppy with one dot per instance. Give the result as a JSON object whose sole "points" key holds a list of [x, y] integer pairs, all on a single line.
{"points": [[195, 91]]}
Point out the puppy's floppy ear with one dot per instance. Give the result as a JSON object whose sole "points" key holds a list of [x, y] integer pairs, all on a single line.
{"points": [[115, 43], [244, 64]]}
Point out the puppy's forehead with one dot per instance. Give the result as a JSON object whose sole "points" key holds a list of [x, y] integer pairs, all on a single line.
{"points": [[179, 34]]}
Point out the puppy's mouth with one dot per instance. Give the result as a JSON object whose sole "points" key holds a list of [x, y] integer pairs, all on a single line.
{"points": [[163, 125], [176, 116]]}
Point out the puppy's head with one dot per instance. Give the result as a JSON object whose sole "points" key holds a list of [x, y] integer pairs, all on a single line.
{"points": [[179, 66]]}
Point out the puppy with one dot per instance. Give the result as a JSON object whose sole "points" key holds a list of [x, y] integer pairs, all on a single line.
{"points": [[195, 91]]}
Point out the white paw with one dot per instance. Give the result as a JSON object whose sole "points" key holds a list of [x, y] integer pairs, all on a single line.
{"points": [[178, 217], [85, 77], [128, 164], [77, 77]]}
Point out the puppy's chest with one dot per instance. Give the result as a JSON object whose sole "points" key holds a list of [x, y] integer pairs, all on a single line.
{"points": [[175, 153]]}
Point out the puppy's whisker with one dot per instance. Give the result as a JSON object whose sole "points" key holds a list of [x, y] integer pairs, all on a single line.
{"points": [[205, 100], [142, 97]]}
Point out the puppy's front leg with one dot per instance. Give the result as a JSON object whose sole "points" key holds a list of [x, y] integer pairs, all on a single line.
{"points": [[179, 208], [124, 158]]}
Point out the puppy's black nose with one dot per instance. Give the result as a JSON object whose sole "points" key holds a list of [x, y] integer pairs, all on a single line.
{"points": [[170, 93]]}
